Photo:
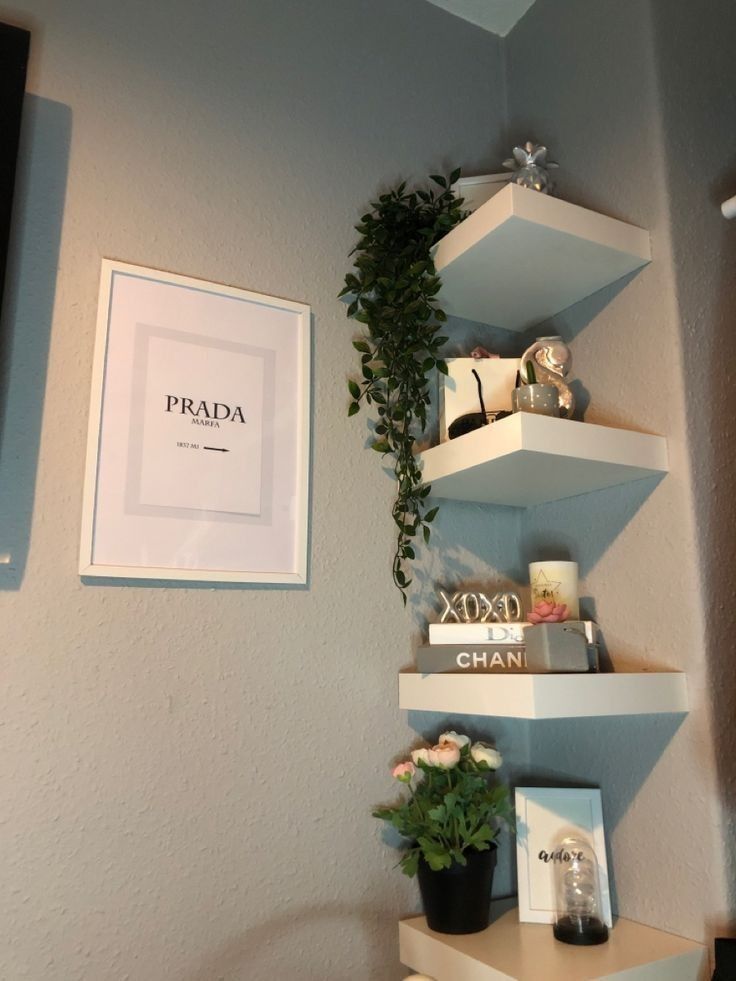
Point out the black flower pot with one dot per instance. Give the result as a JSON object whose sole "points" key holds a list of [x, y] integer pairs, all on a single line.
{"points": [[458, 899]]}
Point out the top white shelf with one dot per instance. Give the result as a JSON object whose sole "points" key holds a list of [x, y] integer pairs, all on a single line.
{"points": [[523, 256]]}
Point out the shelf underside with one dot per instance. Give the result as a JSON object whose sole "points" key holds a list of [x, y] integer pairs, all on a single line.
{"points": [[545, 696], [526, 460], [523, 256]]}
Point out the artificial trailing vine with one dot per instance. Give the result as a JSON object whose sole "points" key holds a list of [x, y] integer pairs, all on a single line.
{"points": [[393, 292]]}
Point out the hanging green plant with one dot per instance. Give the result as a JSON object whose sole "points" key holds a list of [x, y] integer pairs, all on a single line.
{"points": [[393, 291]]}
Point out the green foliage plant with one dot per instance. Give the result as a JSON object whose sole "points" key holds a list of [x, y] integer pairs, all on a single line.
{"points": [[393, 292], [452, 807]]}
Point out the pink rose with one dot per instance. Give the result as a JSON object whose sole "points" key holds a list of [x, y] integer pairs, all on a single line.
{"points": [[445, 755], [420, 754], [404, 772], [545, 612]]}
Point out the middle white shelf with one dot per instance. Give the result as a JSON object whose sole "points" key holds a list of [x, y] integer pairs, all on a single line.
{"points": [[545, 696], [526, 460]]}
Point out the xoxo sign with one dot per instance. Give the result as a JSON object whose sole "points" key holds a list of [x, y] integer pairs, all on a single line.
{"points": [[478, 608]]}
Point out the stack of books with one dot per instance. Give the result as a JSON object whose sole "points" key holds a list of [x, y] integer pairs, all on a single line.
{"points": [[478, 648]]}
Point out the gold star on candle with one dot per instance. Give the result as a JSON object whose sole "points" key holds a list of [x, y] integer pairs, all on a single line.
{"points": [[544, 588]]}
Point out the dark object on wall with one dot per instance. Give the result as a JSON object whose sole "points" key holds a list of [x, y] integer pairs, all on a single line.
{"points": [[14, 44], [725, 960]]}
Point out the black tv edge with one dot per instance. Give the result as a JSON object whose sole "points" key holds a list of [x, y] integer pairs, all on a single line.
{"points": [[14, 45]]}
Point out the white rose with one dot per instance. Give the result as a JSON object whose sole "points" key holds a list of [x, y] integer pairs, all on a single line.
{"points": [[420, 754], [454, 737], [486, 754]]}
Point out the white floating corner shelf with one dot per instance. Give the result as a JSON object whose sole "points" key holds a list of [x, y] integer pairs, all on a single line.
{"points": [[523, 256], [512, 951], [545, 696], [526, 460]]}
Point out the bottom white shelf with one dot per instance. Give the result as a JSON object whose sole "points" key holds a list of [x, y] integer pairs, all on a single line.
{"points": [[512, 951]]}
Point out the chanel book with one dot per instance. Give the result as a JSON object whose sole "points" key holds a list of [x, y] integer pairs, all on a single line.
{"points": [[472, 659]]}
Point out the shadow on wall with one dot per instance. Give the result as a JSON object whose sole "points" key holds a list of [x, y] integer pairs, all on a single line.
{"points": [[27, 318], [571, 322], [463, 537], [585, 751], [583, 514], [252, 951], [713, 449], [511, 737], [698, 114]]}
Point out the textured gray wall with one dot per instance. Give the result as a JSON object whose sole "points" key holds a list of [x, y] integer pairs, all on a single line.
{"points": [[188, 773], [180, 804], [697, 74], [638, 106]]}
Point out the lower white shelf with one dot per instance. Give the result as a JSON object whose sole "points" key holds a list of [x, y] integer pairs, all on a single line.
{"points": [[545, 696], [512, 951]]}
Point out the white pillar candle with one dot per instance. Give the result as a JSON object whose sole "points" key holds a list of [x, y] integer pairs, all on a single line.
{"points": [[555, 582]]}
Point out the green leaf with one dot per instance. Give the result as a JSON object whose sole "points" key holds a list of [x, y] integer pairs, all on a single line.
{"points": [[455, 175], [381, 446], [442, 367], [451, 801], [439, 862], [410, 863], [431, 515], [395, 289]]}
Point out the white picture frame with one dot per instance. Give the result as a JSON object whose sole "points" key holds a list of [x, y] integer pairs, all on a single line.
{"points": [[544, 816], [198, 441]]}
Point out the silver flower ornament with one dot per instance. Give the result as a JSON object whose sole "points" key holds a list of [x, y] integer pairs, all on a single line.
{"points": [[531, 167]]}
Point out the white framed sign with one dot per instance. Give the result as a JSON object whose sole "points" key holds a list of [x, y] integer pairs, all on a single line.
{"points": [[198, 442], [544, 817]]}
